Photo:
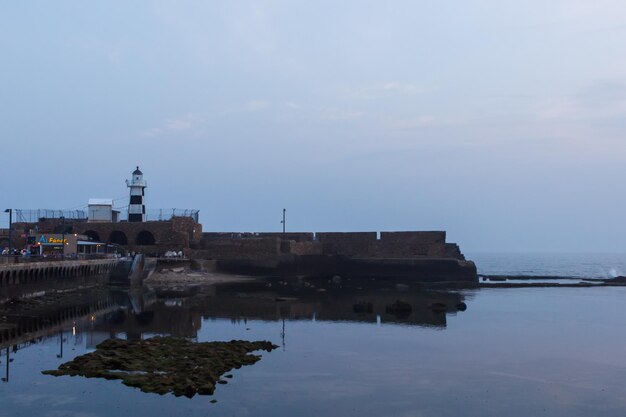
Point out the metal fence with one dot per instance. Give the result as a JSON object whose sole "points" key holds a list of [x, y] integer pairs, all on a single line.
{"points": [[162, 215], [168, 214], [35, 215]]}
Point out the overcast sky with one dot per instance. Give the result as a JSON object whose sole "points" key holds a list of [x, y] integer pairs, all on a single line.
{"points": [[501, 122]]}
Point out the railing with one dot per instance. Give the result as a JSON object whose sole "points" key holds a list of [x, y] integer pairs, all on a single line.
{"points": [[163, 215], [34, 215], [20, 259], [152, 215]]}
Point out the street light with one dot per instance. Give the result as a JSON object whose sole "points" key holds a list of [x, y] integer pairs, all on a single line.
{"points": [[62, 237], [283, 221], [10, 211]]}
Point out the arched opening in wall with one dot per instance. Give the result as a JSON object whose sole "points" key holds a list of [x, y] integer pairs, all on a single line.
{"points": [[145, 238], [93, 235], [117, 237]]}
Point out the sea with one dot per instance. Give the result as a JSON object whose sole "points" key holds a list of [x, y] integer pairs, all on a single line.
{"points": [[345, 349], [566, 265]]}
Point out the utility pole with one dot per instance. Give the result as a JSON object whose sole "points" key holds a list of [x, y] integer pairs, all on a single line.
{"points": [[283, 221], [62, 239], [10, 211]]}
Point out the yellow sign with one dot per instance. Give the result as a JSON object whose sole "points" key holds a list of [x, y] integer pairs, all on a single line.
{"points": [[56, 240]]}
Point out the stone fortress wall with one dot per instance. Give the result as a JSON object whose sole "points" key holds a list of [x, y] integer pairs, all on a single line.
{"points": [[148, 237], [183, 233], [387, 245]]}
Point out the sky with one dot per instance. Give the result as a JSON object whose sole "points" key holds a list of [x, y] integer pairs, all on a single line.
{"points": [[501, 122]]}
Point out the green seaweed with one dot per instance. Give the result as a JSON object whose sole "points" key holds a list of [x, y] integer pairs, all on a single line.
{"points": [[165, 364]]}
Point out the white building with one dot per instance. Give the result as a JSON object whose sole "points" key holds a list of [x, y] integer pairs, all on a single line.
{"points": [[100, 210]]}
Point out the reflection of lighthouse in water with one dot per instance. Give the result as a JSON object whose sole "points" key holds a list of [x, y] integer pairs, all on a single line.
{"points": [[137, 206]]}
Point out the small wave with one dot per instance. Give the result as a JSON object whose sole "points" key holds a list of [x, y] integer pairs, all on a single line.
{"points": [[614, 272]]}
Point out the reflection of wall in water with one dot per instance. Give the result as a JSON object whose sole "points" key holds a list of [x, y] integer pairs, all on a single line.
{"points": [[35, 318], [157, 318], [426, 308], [94, 338]]}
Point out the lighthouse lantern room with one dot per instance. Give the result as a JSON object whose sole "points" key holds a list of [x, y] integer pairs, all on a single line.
{"points": [[137, 206]]}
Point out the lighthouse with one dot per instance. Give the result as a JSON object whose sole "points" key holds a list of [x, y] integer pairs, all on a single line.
{"points": [[137, 206]]}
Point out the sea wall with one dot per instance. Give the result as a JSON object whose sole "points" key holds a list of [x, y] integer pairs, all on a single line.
{"points": [[411, 245], [421, 255], [301, 248], [401, 245], [388, 245], [350, 244], [237, 248]]}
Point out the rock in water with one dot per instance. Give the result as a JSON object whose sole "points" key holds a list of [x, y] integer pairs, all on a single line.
{"points": [[165, 364]]}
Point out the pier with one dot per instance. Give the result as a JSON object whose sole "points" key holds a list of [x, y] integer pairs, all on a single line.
{"points": [[40, 272]]}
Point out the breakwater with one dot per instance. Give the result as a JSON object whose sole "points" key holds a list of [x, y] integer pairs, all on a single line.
{"points": [[41, 272], [415, 255]]}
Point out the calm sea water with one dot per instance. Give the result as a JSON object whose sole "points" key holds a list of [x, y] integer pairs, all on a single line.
{"points": [[492, 352], [597, 265]]}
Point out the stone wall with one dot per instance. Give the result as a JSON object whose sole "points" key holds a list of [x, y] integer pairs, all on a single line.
{"points": [[4, 238], [147, 237], [189, 226], [228, 235], [423, 256], [301, 248], [229, 248], [350, 244], [142, 237], [411, 245], [295, 236], [454, 251], [388, 245]]}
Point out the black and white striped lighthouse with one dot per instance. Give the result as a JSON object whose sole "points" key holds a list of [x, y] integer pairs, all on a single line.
{"points": [[137, 206]]}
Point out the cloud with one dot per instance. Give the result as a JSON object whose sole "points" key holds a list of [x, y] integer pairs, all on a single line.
{"points": [[404, 89], [603, 93], [257, 105], [333, 113], [412, 123], [383, 90], [557, 108], [184, 123], [600, 100], [114, 57], [292, 105]]}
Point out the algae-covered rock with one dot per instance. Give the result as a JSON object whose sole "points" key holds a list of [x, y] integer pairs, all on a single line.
{"points": [[165, 364]]}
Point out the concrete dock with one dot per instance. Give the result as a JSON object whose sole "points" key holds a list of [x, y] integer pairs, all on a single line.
{"points": [[40, 272]]}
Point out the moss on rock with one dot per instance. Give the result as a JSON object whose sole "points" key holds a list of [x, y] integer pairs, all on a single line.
{"points": [[165, 364]]}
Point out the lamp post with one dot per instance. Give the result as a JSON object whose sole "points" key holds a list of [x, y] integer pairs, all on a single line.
{"points": [[10, 211], [62, 237], [283, 221]]}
